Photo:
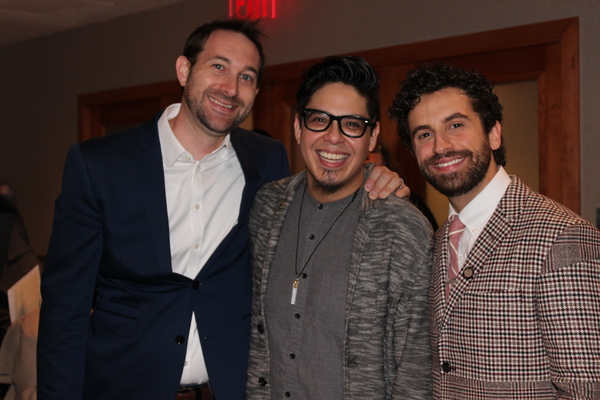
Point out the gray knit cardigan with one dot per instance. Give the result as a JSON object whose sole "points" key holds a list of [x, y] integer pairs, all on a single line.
{"points": [[386, 346]]}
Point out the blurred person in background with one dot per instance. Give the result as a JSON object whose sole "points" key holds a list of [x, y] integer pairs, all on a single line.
{"points": [[16, 255]]}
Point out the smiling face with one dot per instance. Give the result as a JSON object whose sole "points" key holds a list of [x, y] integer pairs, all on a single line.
{"points": [[219, 90], [452, 149], [334, 162]]}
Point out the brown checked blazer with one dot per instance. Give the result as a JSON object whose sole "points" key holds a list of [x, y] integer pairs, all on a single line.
{"points": [[523, 319]]}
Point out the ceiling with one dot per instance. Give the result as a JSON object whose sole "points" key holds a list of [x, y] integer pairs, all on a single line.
{"points": [[27, 19]]}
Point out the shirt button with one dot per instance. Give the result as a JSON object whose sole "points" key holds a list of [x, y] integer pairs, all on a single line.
{"points": [[260, 328], [196, 245], [287, 394], [320, 206], [460, 258], [292, 356], [262, 381], [197, 206], [304, 275], [311, 236], [297, 316], [187, 158], [185, 364]]}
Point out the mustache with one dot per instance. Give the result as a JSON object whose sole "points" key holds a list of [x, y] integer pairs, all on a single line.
{"points": [[450, 153]]}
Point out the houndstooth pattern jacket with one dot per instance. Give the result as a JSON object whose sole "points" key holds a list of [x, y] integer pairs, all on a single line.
{"points": [[386, 351], [523, 322]]}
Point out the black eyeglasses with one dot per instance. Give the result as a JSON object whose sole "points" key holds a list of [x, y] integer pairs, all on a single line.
{"points": [[353, 126]]}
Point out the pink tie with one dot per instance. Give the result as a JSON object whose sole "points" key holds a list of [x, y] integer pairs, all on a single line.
{"points": [[455, 230]]}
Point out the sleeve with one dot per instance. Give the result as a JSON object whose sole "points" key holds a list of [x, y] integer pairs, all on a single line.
{"points": [[569, 307], [412, 353], [68, 282]]}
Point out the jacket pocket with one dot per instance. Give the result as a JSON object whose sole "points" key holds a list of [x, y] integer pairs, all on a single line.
{"points": [[117, 316]]}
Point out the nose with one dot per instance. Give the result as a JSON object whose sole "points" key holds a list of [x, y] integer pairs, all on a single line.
{"points": [[229, 84], [334, 133], [441, 144]]}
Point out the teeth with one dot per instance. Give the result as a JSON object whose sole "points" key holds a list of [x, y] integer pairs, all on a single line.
{"points": [[332, 156], [442, 165], [219, 103]]}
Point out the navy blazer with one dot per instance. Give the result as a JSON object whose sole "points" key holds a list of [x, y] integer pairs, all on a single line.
{"points": [[110, 252]]}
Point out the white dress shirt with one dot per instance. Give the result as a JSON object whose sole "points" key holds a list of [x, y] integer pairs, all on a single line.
{"points": [[203, 202], [478, 212]]}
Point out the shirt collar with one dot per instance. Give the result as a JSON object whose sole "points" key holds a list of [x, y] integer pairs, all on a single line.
{"points": [[479, 210], [173, 151]]}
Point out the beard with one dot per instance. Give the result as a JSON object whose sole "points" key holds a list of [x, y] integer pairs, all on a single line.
{"points": [[328, 183], [194, 103], [459, 182]]}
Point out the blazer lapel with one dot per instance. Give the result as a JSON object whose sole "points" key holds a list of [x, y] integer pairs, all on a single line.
{"points": [[494, 232], [149, 172], [438, 278], [252, 177]]}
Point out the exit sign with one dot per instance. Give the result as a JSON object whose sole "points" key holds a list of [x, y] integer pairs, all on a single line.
{"points": [[252, 9]]}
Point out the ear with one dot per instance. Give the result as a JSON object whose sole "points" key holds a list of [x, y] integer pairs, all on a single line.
{"points": [[495, 136], [182, 67], [297, 130], [373, 138]]}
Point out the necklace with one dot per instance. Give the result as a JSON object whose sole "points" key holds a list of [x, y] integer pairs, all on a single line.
{"points": [[298, 274]]}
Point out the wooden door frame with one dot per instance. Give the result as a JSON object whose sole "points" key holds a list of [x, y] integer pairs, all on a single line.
{"points": [[132, 105], [547, 52]]}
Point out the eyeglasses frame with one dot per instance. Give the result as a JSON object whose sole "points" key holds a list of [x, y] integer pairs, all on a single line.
{"points": [[337, 118]]}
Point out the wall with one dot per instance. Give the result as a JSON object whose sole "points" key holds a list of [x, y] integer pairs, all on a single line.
{"points": [[41, 78]]}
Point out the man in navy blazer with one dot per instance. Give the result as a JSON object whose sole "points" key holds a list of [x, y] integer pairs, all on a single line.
{"points": [[115, 318], [147, 290]]}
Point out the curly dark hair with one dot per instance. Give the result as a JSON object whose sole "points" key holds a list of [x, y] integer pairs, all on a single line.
{"points": [[194, 45], [431, 78], [350, 70]]}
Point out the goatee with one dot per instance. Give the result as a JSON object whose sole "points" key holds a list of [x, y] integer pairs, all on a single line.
{"points": [[327, 184]]}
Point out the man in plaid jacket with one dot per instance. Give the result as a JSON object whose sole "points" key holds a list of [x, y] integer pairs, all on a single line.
{"points": [[520, 316]]}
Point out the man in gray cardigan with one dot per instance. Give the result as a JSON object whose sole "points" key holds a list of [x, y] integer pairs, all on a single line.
{"points": [[339, 281]]}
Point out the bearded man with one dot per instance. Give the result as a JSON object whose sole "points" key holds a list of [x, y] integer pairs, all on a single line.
{"points": [[514, 310]]}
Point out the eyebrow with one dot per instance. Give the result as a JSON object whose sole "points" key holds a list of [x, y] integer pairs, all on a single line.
{"points": [[227, 60], [449, 118], [333, 115]]}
